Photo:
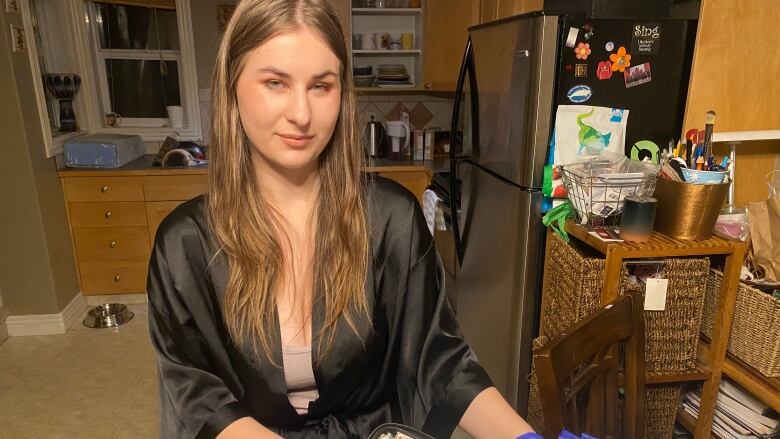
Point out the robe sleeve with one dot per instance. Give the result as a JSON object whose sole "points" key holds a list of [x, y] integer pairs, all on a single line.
{"points": [[194, 401], [438, 374]]}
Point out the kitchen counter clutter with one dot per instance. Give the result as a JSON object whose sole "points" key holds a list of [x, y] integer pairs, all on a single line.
{"points": [[114, 213]]}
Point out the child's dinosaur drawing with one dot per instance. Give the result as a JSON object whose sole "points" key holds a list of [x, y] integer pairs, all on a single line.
{"points": [[590, 137]]}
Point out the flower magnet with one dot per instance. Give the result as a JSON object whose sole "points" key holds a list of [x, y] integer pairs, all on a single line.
{"points": [[582, 50], [620, 60]]}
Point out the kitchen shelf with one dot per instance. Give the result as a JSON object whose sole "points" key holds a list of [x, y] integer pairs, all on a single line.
{"points": [[388, 89], [698, 373], [766, 389], [686, 420], [386, 52], [386, 11]]}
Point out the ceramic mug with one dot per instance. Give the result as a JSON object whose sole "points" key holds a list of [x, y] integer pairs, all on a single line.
{"points": [[113, 119], [407, 41], [366, 42]]}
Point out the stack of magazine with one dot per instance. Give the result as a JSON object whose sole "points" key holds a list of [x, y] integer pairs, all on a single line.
{"points": [[738, 415]]}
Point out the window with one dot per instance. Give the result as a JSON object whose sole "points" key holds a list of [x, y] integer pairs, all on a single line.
{"points": [[136, 55]]}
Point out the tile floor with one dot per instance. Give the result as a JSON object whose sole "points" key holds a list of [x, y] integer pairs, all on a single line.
{"points": [[86, 383]]}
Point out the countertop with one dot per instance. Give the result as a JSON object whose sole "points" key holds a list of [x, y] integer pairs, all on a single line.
{"points": [[144, 166]]}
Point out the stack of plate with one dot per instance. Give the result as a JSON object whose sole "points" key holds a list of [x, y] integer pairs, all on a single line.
{"points": [[392, 75]]}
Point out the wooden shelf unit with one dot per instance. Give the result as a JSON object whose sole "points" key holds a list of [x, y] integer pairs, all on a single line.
{"points": [[766, 389], [386, 11], [711, 363]]}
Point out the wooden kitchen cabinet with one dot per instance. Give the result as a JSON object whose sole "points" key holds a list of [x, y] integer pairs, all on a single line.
{"points": [[114, 215], [415, 181], [446, 33], [113, 218], [490, 10]]}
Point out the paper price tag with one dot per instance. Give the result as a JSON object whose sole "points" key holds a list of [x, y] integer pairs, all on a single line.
{"points": [[655, 294]]}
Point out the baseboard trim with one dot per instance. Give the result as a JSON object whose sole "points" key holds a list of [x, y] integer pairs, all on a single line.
{"points": [[3, 328], [48, 324]]}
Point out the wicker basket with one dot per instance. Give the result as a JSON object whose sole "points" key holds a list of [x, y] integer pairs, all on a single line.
{"points": [[672, 335], [573, 290], [661, 408], [755, 330]]}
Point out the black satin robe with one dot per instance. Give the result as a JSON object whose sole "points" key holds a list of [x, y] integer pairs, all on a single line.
{"points": [[415, 368]]}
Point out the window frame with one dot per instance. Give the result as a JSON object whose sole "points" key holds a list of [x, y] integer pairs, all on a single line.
{"points": [[99, 57], [94, 82]]}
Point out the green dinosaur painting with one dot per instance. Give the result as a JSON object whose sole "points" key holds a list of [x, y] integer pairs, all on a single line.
{"points": [[589, 137]]}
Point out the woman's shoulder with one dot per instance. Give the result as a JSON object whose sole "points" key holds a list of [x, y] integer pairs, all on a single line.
{"points": [[390, 197], [186, 221]]}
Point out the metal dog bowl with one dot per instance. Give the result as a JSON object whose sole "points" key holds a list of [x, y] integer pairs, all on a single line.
{"points": [[108, 315]]}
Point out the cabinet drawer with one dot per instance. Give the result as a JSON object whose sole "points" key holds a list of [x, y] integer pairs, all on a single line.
{"points": [[113, 277], [99, 244], [156, 212], [174, 187], [111, 214], [103, 189]]}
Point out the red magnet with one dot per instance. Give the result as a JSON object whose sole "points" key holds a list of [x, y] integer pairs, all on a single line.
{"points": [[604, 70]]}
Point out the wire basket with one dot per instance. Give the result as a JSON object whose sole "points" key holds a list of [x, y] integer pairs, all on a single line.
{"points": [[597, 195]]}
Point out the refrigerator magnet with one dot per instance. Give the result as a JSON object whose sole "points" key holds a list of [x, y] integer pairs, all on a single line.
{"points": [[646, 38], [610, 46], [571, 39], [582, 51], [637, 75], [588, 32], [620, 60], [604, 70], [581, 70], [579, 93]]}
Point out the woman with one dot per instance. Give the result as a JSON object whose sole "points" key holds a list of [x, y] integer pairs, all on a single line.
{"points": [[296, 299]]}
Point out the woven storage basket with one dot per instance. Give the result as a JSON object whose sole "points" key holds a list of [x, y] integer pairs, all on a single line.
{"points": [[755, 330], [572, 291], [661, 407], [572, 288], [672, 335]]}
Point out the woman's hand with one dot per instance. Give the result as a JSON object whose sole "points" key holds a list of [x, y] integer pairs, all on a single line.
{"points": [[490, 416], [247, 428]]}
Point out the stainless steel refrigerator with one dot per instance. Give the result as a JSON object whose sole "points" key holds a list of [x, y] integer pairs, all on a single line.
{"points": [[508, 89], [502, 124]]}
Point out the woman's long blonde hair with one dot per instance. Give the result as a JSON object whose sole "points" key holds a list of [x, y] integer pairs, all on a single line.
{"points": [[240, 217]]}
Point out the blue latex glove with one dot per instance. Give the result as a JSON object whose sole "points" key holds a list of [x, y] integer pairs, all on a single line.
{"points": [[530, 436]]}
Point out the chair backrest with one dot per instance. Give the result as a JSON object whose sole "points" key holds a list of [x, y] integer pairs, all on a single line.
{"points": [[578, 373]]}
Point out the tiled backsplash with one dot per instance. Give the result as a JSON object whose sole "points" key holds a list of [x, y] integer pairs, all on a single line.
{"points": [[424, 111]]}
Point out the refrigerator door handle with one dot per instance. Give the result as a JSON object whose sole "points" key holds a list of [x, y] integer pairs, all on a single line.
{"points": [[455, 143], [455, 147]]}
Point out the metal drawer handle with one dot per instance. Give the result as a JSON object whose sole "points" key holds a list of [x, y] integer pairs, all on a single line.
{"points": [[104, 189], [112, 244], [107, 215], [117, 278]]}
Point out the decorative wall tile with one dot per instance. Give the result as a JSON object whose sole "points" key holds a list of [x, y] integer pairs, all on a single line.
{"points": [[424, 111], [420, 116]]}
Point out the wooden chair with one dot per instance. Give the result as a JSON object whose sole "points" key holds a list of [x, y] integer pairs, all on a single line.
{"points": [[581, 365]]}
